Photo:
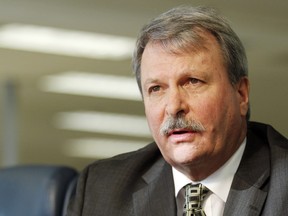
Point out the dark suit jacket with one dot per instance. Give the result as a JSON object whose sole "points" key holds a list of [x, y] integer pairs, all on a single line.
{"points": [[140, 183]]}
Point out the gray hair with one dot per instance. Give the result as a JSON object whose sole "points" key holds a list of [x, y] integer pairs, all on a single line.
{"points": [[181, 29]]}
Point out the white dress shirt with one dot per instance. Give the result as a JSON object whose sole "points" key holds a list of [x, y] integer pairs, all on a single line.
{"points": [[218, 183]]}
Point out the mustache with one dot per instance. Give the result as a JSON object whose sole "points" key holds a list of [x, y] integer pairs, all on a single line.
{"points": [[179, 122]]}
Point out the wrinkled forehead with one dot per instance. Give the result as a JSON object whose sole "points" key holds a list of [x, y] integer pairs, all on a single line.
{"points": [[187, 42]]}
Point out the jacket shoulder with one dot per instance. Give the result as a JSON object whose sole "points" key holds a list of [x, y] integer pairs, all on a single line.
{"points": [[114, 179], [268, 134], [136, 159], [278, 148], [125, 169]]}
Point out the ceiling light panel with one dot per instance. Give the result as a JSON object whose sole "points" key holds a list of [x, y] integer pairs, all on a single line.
{"points": [[92, 84], [101, 122], [65, 42], [100, 148]]}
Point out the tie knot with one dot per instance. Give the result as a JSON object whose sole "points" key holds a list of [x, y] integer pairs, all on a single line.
{"points": [[194, 196]]}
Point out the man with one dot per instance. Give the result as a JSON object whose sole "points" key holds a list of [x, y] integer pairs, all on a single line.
{"points": [[191, 69]]}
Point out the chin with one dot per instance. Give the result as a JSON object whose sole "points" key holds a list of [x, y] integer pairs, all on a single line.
{"points": [[187, 156]]}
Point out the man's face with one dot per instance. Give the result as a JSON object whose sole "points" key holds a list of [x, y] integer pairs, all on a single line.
{"points": [[195, 86]]}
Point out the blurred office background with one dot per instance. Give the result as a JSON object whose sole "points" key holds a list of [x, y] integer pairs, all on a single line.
{"points": [[67, 92]]}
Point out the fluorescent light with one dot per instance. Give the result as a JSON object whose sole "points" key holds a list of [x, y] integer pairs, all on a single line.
{"points": [[100, 148], [92, 84], [65, 42], [101, 122]]}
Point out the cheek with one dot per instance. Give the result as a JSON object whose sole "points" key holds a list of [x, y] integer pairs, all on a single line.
{"points": [[205, 108], [211, 109], [154, 116]]}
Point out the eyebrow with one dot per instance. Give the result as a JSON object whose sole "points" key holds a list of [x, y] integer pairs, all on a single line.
{"points": [[150, 80]]}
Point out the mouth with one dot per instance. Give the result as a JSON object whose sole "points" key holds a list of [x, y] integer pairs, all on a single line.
{"points": [[183, 135], [180, 132]]}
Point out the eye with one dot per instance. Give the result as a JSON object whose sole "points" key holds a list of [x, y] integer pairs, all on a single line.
{"points": [[194, 80], [154, 88]]}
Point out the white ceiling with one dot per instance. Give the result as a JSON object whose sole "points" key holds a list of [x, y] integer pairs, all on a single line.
{"points": [[262, 25]]}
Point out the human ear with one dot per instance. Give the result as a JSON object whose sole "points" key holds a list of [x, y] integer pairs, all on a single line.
{"points": [[243, 95]]}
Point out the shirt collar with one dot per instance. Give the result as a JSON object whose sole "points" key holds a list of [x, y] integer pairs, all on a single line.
{"points": [[218, 182]]}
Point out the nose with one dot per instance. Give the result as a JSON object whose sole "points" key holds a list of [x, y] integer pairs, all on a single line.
{"points": [[176, 102]]}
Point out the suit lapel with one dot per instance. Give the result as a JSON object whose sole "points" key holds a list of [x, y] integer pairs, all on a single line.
{"points": [[245, 201], [157, 197], [250, 184]]}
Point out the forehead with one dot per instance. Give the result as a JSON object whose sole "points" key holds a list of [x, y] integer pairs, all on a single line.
{"points": [[198, 39], [155, 51]]}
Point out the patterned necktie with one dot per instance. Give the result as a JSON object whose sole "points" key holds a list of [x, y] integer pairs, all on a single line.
{"points": [[194, 196]]}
